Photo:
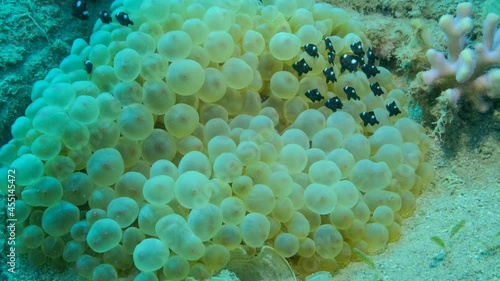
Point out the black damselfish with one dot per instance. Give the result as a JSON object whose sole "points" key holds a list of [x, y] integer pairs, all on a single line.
{"points": [[370, 70], [105, 17], [88, 66], [392, 108], [331, 57], [311, 50], [314, 95], [349, 62], [123, 19], [80, 10], [351, 93], [368, 118], [357, 49], [329, 45], [376, 89], [334, 104], [329, 74], [301, 67], [371, 56]]}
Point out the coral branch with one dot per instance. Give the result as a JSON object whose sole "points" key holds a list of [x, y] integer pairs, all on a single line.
{"points": [[456, 29], [466, 72]]}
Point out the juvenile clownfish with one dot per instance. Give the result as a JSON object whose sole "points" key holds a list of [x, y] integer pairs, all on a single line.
{"points": [[105, 17], [370, 70], [329, 74], [376, 89], [392, 108], [329, 45], [311, 50], [357, 49], [123, 19], [80, 10], [314, 95], [88, 65], [334, 104], [349, 62], [301, 67], [331, 57], [371, 56], [368, 118], [351, 93]]}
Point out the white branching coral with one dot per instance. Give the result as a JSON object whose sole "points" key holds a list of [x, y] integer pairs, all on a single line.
{"points": [[471, 73]]}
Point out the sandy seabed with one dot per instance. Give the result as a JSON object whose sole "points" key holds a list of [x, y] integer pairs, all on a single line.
{"points": [[37, 34]]}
